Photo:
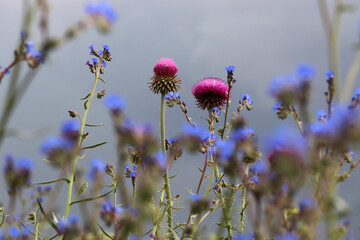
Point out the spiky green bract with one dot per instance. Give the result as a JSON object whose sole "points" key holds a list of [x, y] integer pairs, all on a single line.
{"points": [[164, 85]]}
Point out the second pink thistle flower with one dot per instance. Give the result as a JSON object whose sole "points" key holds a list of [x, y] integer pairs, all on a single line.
{"points": [[210, 92]]}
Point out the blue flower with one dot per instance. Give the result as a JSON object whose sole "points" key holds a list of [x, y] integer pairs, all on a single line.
{"points": [[14, 232], [24, 164], [247, 97], [287, 236], [106, 47], [329, 74], [195, 197], [97, 167], [133, 174], [102, 9], [255, 180], [29, 46], [357, 93], [161, 160], [115, 103], [305, 72], [103, 63], [91, 47], [52, 143], [306, 203], [94, 60], [276, 106], [244, 236], [169, 95], [258, 168], [282, 84], [225, 149], [70, 127], [242, 134], [23, 35], [230, 68], [217, 110]]}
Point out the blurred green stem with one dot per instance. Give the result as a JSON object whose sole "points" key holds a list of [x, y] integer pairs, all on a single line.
{"points": [[243, 201]]}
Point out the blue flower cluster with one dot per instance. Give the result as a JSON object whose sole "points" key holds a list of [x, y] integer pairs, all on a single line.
{"points": [[101, 9]]}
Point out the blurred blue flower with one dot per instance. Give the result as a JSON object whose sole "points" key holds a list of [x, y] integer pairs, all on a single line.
{"points": [[195, 197], [217, 110], [321, 114], [97, 168], [53, 143], [329, 74], [161, 160], [259, 168], [287, 236], [102, 9], [115, 103], [70, 127], [244, 236], [24, 164], [254, 180], [305, 72], [14, 232]]}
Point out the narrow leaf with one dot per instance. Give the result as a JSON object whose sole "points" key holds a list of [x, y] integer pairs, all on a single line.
{"points": [[85, 97], [52, 224], [24, 226], [104, 232], [94, 146], [53, 237], [52, 181], [82, 189], [94, 125], [85, 104], [93, 198], [102, 80], [2, 220]]}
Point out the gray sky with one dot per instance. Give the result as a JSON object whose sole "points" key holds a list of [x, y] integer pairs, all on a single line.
{"points": [[261, 38]]}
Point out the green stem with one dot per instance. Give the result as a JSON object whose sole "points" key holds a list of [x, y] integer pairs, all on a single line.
{"points": [[134, 186], [36, 227], [166, 177], [73, 168], [222, 200], [243, 201]]}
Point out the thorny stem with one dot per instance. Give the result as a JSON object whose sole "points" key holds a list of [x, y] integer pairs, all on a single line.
{"points": [[166, 177]]}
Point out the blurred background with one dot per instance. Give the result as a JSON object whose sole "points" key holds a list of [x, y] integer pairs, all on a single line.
{"points": [[262, 39]]}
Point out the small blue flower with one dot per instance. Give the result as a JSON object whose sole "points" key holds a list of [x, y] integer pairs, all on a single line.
{"points": [[321, 114], [14, 232], [169, 96], [225, 149], [91, 47], [97, 167], [102, 9], [161, 160], [24, 164], [247, 97], [195, 197], [217, 110], [306, 203], [106, 47], [29, 46], [53, 143], [276, 106], [255, 180], [258, 168], [115, 103], [94, 60], [133, 174], [103, 62], [242, 134], [357, 93], [23, 35], [329, 74], [70, 127], [230, 68], [305, 72]]}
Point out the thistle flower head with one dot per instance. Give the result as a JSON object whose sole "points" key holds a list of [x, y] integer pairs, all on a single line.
{"points": [[165, 79], [165, 67], [210, 92]]}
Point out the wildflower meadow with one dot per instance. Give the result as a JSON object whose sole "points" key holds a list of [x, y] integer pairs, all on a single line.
{"points": [[179, 120]]}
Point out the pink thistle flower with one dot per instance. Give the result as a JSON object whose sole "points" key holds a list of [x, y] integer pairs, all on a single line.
{"points": [[165, 67], [210, 92], [165, 79]]}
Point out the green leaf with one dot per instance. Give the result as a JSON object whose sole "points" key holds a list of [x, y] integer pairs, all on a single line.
{"points": [[104, 232], [51, 222], [81, 190], [53, 237], [52, 181], [85, 104], [87, 96], [101, 80], [24, 226], [2, 220], [93, 198], [94, 146], [172, 176], [94, 125]]}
